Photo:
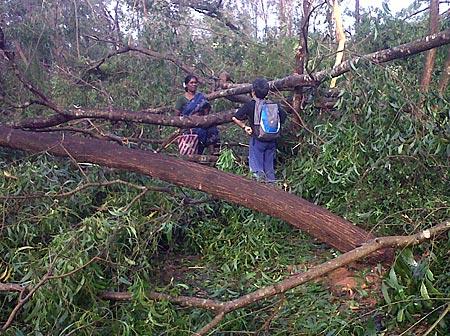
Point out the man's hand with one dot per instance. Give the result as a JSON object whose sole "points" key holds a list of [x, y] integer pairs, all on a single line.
{"points": [[248, 130]]}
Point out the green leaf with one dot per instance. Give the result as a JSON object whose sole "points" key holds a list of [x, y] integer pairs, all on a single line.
{"points": [[424, 291], [124, 280], [393, 279], [408, 257], [400, 315], [385, 292], [429, 275], [129, 261]]}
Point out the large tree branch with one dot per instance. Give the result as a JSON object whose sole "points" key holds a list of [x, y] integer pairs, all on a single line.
{"points": [[124, 115], [317, 221], [63, 117], [382, 56], [221, 308]]}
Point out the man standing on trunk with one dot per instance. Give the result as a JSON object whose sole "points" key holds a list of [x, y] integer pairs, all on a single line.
{"points": [[263, 143]]}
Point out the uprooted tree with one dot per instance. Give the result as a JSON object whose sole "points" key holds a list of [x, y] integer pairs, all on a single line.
{"points": [[76, 87]]}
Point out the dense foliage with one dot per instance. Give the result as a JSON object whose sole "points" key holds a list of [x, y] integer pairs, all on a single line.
{"points": [[379, 158]]}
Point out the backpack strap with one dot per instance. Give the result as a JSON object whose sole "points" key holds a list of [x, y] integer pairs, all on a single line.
{"points": [[257, 114]]}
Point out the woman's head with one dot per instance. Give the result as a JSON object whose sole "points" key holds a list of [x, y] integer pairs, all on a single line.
{"points": [[190, 83]]}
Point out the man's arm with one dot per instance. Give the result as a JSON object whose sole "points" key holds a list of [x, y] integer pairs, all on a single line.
{"points": [[239, 117], [242, 125]]}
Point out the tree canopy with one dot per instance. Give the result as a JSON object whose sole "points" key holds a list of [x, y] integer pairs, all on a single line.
{"points": [[106, 229]]}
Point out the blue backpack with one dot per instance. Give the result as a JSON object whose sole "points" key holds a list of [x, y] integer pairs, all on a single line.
{"points": [[267, 120]]}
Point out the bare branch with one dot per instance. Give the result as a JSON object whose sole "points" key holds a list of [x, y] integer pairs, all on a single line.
{"points": [[125, 115], [430, 54], [30, 86], [10, 287], [155, 54], [211, 9], [445, 76]]}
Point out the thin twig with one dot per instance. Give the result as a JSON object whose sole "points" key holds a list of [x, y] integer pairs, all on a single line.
{"points": [[135, 199], [215, 321], [276, 310], [53, 277], [22, 300], [72, 158], [444, 313], [85, 186]]}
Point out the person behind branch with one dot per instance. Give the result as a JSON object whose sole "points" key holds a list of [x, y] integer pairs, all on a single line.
{"points": [[208, 137], [190, 103], [261, 151]]}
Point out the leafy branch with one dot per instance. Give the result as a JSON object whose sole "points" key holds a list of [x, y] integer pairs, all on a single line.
{"points": [[221, 308]]}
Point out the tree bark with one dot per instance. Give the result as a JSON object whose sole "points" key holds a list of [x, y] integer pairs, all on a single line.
{"points": [[301, 57], [319, 222], [431, 54], [340, 37], [127, 115]]}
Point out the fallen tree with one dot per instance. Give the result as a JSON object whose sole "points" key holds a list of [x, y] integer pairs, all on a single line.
{"points": [[317, 221], [287, 83]]}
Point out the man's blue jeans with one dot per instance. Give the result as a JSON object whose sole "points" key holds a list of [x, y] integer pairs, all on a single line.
{"points": [[261, 156]]}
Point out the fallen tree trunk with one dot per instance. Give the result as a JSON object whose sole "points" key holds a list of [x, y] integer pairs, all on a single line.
{"points": [[319, 222], [126, 115]]}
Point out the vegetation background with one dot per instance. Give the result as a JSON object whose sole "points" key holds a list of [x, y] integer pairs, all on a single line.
{"points": [[379, 157]]}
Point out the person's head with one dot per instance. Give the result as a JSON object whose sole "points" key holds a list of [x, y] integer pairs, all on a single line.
{"points": [[205, 109], [190, 83], [260, 87]]}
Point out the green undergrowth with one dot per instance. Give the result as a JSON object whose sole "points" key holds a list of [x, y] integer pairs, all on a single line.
{"points": [[379, 159], [213, 250]]}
